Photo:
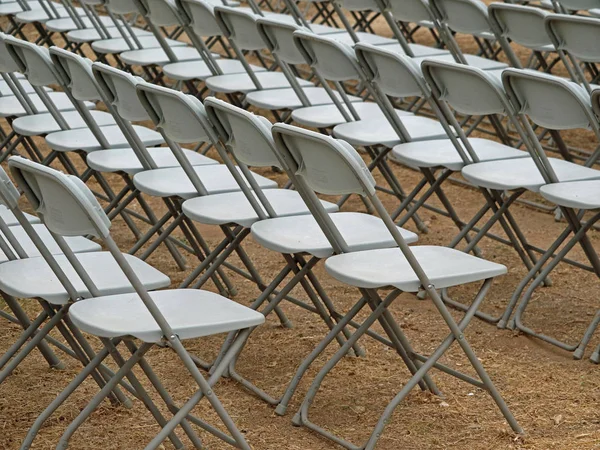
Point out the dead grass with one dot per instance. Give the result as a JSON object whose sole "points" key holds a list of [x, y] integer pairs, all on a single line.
{"points": [[554, 397]]}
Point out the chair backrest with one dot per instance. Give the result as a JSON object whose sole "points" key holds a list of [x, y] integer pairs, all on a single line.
{"points": [[33, 61], [76, 74], [464, 16], [162, 13], [411, 10], [332, 59], [7, 62], [395, 74], [247, 135], [595, 99], [121, 6], [63, 202], [279, 38], [522, 24], [466, 89], [119, 87], [327, 165], [360, 5], [579, 5], [175, 114], [200, 16], [576, 35], [549, 101], [240, 27]]}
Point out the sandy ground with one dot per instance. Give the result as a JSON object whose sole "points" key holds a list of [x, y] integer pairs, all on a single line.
{"points": [[554, 398]]}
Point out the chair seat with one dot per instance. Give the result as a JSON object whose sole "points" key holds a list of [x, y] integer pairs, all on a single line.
{"points": [[242, 83], [379, 131], [9, 218], [522, 173], [40, 124], [325, 116], [367, 38], [191, 313], [67, 24], [120, 45], [302, 234], [83, 139], [76, 243], [276, 99], [234, 207], [472, 60], [419, 51], [125, 159], [574, 194], [173, 181], [198, 70], [91, 35], [10, 106], [32, 277], [445, 267], [442, 153], [157, 56], [5, 89]]}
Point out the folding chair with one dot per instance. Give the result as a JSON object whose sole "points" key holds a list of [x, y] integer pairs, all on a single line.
{"points": [[239, 27], [570, 35], [404, 268], [100, 30], [391, 74], [279, 39], [164, 317], [54, 281], [197, 19], [129, 39], [572, 110], [523, 25]]}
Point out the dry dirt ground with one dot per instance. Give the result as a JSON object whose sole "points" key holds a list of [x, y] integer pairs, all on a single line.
{"points": [[554, 397]]}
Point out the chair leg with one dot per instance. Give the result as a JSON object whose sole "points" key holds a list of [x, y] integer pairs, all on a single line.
{"points": [[100, 396]]}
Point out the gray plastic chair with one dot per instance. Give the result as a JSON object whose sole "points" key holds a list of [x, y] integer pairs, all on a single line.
{"points": [[572, 110], [240, 29], [151, 317], [404, 268], [197, 19], [279, 39], [570, 35], [523, 25]]}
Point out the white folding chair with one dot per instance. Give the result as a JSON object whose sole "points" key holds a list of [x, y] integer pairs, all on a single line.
{"points": [[159, 317], [523, 25], [570, 108], [239, 27], [404, 268]]}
